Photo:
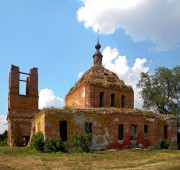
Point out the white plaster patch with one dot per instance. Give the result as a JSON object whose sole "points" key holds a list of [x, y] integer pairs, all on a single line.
{"points": [[79, 119], [134, 142], [77, 102], [171, 122], [120, 141], [151, 119], [116, 120], [106, 136], [141, 145], [83, 93], [96, 146], [174, 139]]}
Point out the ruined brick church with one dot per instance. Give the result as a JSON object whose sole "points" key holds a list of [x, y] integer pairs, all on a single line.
{"points": [[99, 103]]}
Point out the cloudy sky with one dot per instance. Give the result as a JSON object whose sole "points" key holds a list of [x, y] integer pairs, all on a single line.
{"points": [[58, 38]]}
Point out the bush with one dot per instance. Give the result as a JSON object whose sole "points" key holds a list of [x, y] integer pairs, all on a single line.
{"points": [[37, 142], [165, 144], [3, 139], [54, 145], [3, 142], [81, 142]]}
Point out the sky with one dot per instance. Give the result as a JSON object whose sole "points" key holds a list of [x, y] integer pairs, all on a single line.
{"points": [[58, 37]]}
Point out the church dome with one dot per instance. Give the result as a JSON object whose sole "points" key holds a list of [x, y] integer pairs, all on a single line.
{"points": [[98, 75]]}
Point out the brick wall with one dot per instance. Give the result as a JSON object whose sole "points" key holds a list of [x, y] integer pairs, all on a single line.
{"points": [[88, 96], [21, 108], [105, 124]]}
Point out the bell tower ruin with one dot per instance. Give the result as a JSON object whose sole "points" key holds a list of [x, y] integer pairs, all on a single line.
{"points": [[21, 108]]}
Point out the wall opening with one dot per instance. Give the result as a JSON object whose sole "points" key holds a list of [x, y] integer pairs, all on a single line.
{"points": [[22, 84], [63, 130], [165, 132], [145, 128], [120, 132], [88, 128], [133, 132], [112, 100], [146, 132], [25, 140], [101, 99], [123, 97]]}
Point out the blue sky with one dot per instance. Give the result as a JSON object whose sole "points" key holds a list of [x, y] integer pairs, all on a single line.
{"points": [[58, 37]]}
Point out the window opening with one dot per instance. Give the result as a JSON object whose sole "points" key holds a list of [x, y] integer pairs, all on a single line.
{"points": [[133, 132], [88, 128], [22, 84], [63, 130], [120, 132], [123, 100], [145, 128], [101, 99], [112, 100]]}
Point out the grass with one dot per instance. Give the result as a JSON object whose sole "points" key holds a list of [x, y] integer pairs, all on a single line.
{"points": [[28, 159]]}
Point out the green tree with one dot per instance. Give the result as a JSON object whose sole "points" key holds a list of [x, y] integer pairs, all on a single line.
{"points": [[161, 91]]}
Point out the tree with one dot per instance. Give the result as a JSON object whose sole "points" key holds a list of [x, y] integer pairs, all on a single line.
{"points": [[161, 91]]}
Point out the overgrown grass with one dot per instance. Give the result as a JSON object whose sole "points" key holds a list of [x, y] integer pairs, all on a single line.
{"points": [[29, 159]]}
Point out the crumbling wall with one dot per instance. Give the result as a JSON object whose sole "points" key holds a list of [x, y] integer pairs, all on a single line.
{"points": [[21, 108], [88, 96], [105, 124], [77, 99]]}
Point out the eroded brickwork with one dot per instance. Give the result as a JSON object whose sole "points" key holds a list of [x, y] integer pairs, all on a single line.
{"points": [[21, 108], [86, 92], [105, 123]]}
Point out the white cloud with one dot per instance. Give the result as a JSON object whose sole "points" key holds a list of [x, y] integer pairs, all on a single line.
{"points": [[154, 20], [3, 124], [48, 99], [130, 75], [80, 74]]}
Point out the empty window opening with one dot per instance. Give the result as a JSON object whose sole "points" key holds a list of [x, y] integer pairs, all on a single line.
{"points": [[120, 132], [22, 84], [88, 128], [112, 100], [165, 132], [63, 130], [145, 128], [25, 140], [133, 132], [146, 132], [101, 99], [123, 97]]}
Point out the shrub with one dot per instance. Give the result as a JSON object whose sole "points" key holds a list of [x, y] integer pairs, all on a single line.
{"points": [[81, 142], [165, 144], [3, 142], [54, 145], [37, 142], [3, 139]]}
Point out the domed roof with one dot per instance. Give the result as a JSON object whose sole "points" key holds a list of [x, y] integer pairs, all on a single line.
{"points": [[98, 75]]}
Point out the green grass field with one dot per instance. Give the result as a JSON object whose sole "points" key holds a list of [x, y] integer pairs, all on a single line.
{"points": [[28, 159]]}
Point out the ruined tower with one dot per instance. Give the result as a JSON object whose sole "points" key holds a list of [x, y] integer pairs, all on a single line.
{"points": [[21, 108], [100, 87]]}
